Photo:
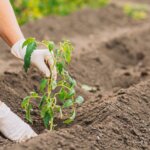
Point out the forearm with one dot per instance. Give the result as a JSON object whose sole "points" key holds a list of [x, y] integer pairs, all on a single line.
{"points": [[9, 28]]}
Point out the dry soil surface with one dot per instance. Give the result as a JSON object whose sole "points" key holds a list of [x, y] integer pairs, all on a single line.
{"points": [[112, 53]]}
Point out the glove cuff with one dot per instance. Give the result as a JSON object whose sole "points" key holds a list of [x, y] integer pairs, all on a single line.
{"points": [[17, 49], [4, 110]]}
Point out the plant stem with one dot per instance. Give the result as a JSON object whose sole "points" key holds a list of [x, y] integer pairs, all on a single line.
{"points": [[51, 124], [61, 85]]}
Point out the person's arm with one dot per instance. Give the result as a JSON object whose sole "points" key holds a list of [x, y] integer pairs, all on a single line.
{"points": [[11, 126], [11, 33], [9, 28]]}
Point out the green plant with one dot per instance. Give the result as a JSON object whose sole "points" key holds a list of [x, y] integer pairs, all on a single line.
{"points": [[56, 98], [27, 10], [137, 11]]}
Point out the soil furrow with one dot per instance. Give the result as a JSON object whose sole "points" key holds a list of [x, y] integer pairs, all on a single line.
{"points": [[128, 124]]}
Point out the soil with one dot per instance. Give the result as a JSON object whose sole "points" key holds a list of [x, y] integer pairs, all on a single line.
{"points": [[112, 53]]}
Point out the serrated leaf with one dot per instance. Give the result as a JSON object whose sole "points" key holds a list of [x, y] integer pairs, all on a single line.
{"points": [[68, 103], [27, 59], [43, 85], [28, 41], [79, 100]]}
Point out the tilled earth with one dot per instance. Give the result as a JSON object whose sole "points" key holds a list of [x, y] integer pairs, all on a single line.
{"points": [[112, 53]]}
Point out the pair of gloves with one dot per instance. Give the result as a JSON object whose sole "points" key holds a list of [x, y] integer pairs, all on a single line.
{"points": [[11, 125]]}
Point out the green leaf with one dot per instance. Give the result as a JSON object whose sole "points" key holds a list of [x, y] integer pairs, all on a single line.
{"points": [[46, 119], [62, 94], [67, 48], [67, 56], [68, 121], [70, 79], [28, 114], [28, 41], [59, 67], [43, 110], [27, 106], [42, 101], [71, 93], [47, 114], [25, 102], [68, 103], [34, 94], [79, 100], [43, 85], [49, 44], [27, 59]]}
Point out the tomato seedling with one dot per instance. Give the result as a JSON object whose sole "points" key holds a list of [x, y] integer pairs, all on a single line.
{"points": [[56, 98]]}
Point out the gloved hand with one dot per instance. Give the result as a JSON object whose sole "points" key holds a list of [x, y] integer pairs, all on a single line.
{"points": [[12, 127], [40, 58]]}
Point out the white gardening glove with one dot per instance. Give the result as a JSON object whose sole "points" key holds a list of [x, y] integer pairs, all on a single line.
{"points": [[39, 58], [12, 127]]}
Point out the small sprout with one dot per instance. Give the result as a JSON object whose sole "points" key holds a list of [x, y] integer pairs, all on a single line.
{"points": [[56, 98]]}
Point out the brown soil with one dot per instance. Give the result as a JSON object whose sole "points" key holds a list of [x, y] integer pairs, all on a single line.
{"points": [[112, 53]]}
